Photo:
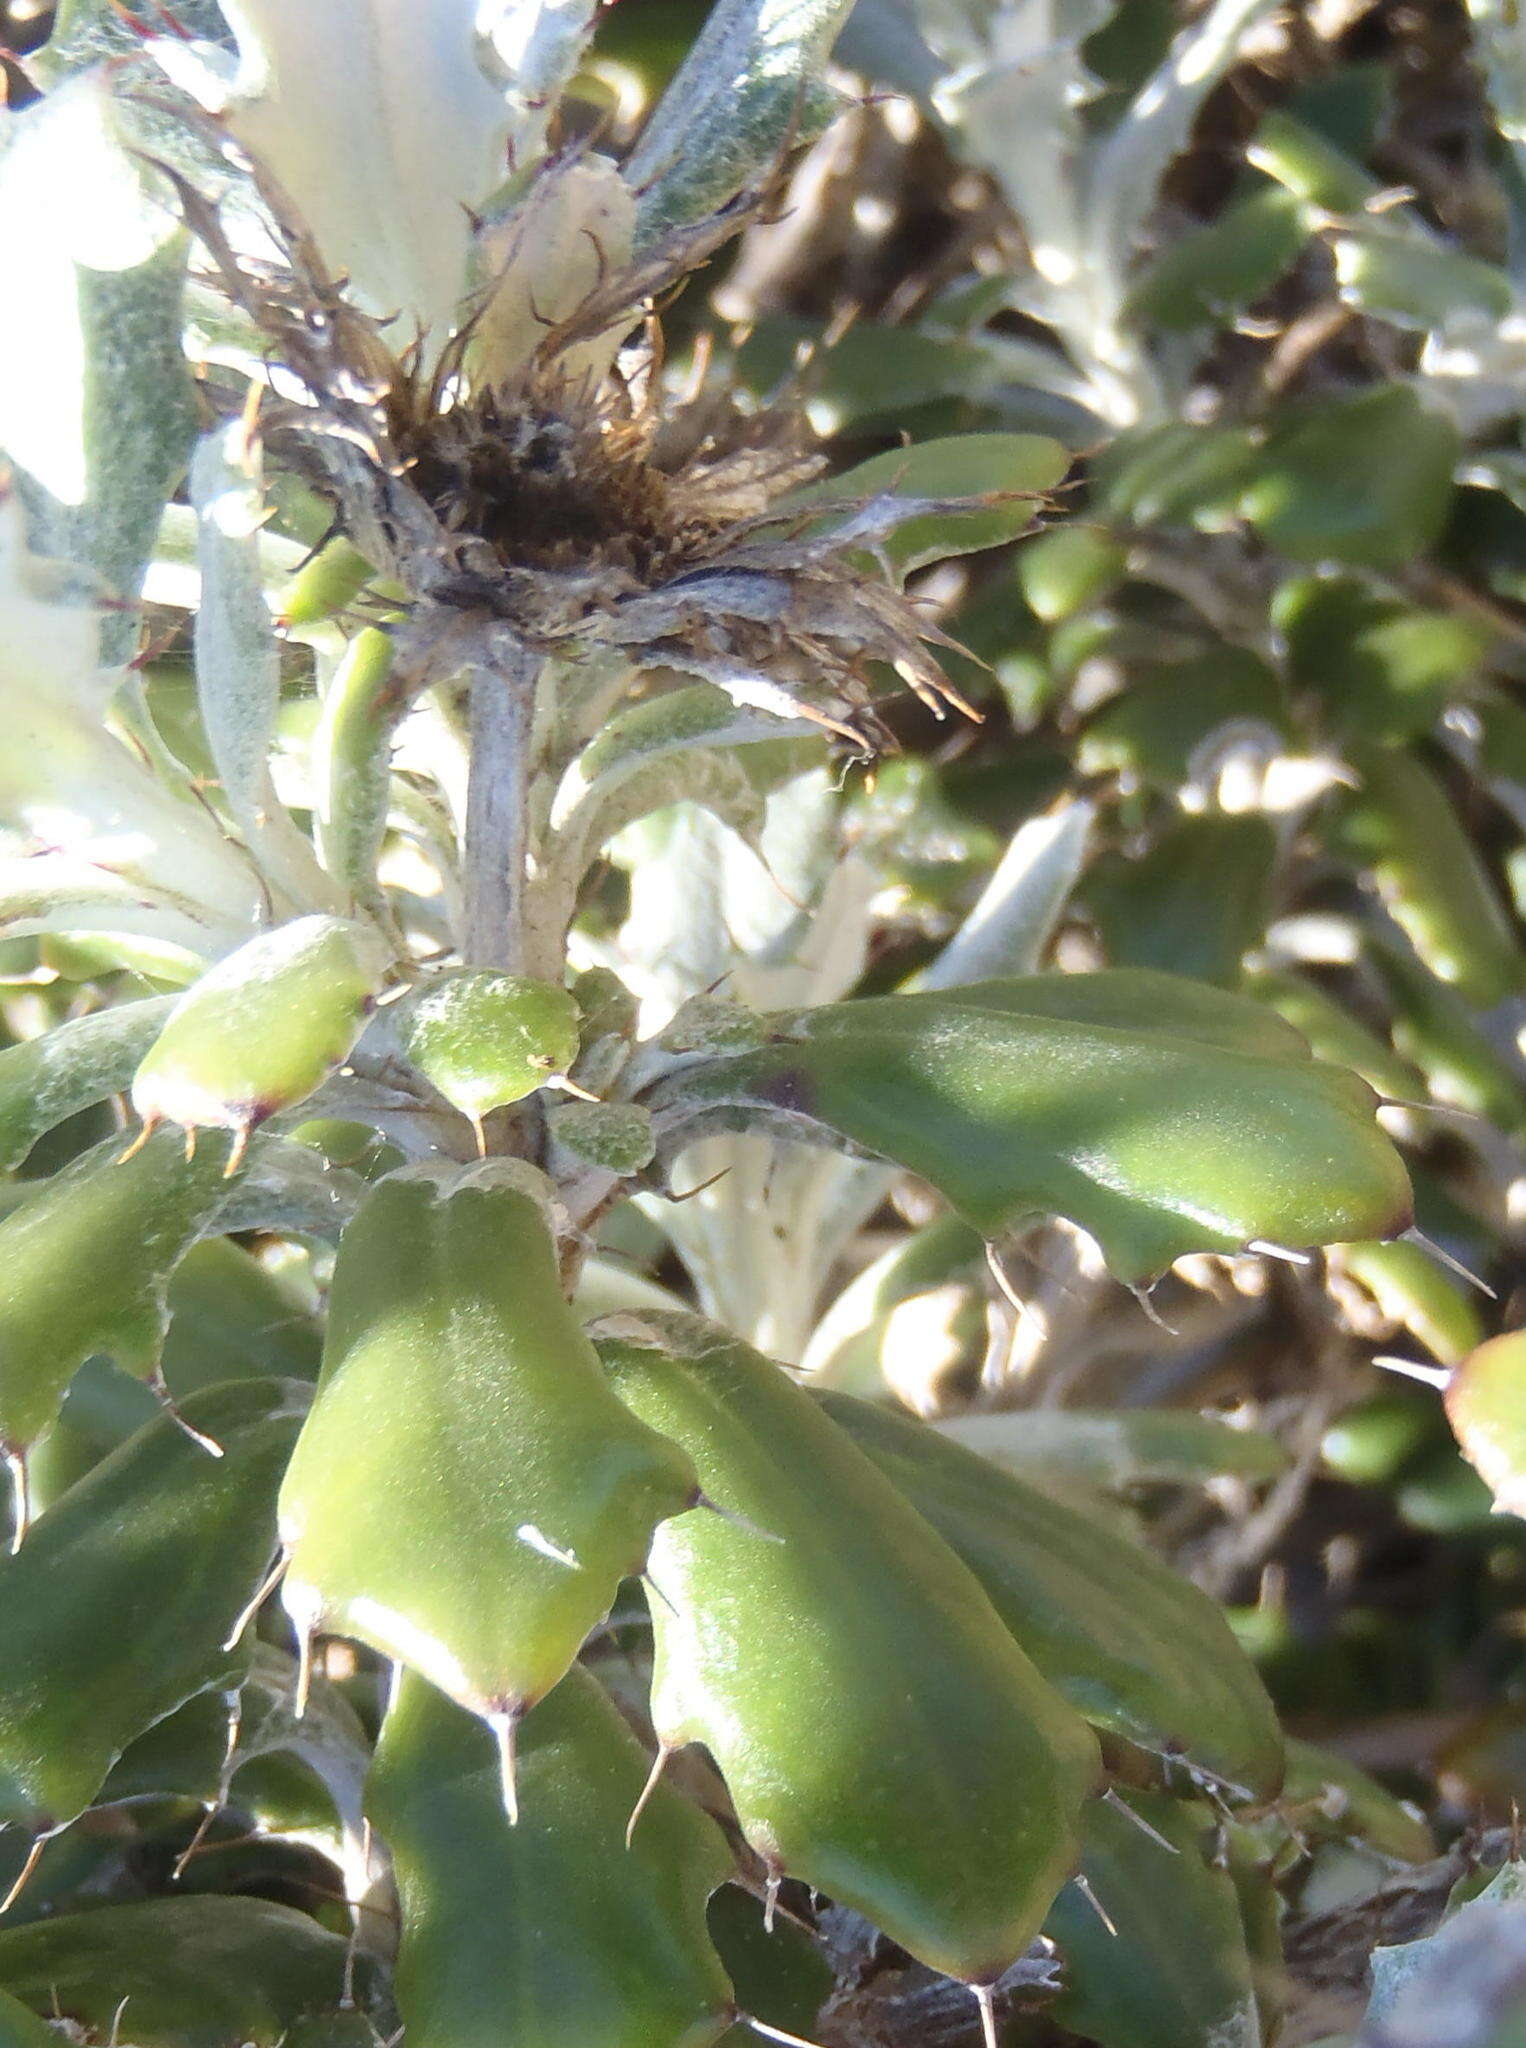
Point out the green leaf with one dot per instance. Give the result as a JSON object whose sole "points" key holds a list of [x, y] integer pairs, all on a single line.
{"points": [[467, 1493], [1364, 480], [1412, 1290], [118, 1606], [1310, 166], [262, 1029], [1176, 1973], [1382, 669], [1351, 1804], [1429, 874], [1162, 475], [1064, 571], [195, 1972], [52, 1077], [486, 1039], [238, 665], [1194, 903], [955, 466], [1335, 1034], [1155, 727], [748, 89], [351, 763], [939, 1788], [551, 1934], [1159, 1116], [1133, 1647], [1391, 269], [1118, 1448], [1434, 1027], [848, 1344], [87, 1260], [1217, 271], [1486, 1406]]}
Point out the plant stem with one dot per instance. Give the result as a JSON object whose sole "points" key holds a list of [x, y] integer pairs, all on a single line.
{"points": [[502, 704]]}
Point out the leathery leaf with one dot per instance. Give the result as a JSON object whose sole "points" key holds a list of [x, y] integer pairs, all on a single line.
{"points": [[48, 1078], [1138, 1650], [486, 1039], [467, 1493], [85, 1263], [881, 1734], [262, 1028], [119, 1605], [1160, 1116], [1486, 1406], [551, 1934], [194, 1972], [1176, 1973]]}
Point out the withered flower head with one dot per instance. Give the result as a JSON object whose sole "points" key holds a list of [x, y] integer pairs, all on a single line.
{"points": [[573, 498]]}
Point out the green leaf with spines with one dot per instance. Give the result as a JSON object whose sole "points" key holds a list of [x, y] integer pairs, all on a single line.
{"points": [[940, 1789], [1160, 1116], [467, 1494], [552, 1933], [1136, 1649], [125, 1223], [195, 1972], [119, 1604]]}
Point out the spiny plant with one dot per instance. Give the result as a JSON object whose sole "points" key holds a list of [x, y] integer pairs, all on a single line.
{"points": [[383, 1553]]}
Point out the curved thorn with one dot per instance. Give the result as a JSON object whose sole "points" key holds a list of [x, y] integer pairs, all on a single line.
{"points": [[659, 1765], [1143, 1297], [242, 1133], [1265, 1249], [251, 1607], [772, 2033], [150, 1125], [166, 1401]]}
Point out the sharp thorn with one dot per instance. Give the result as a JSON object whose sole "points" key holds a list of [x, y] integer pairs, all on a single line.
{"points": [[1265, 1249], [166, 1401], [190, 1144], [1142, 1296], [240, 1147], [648, 1580], [251, 1608], [24, 1875], [505, 1732], [738, 1520], [21, 1497], [1429, 1244], [654, 1776], [987, 2003], [1438, 1376], [1111, 1798], [771, 1899], [772, 2033], [150, 1125], [1083, 1885]]}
